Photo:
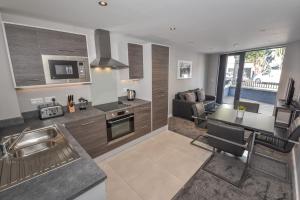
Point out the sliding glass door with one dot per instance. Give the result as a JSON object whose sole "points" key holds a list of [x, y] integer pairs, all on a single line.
{"points": [[251, 76]]}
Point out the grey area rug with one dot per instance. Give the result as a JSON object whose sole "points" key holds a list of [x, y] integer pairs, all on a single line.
{"points": [[256, 186]]}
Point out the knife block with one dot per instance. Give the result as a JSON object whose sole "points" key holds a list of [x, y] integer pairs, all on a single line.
{"points": [[71, 107]]}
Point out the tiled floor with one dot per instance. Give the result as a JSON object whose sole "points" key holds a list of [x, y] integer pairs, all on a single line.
{"points": [[154, 169]]}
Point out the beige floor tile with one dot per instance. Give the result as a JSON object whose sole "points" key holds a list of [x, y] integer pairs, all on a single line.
{"points": [[130, 165], [156, 184], [179, 164], [116, 188], [153, 149], [154, 169]]}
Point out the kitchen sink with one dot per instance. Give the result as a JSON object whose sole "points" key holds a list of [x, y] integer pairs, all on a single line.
{"points": [[32, 153], [34, 141]]}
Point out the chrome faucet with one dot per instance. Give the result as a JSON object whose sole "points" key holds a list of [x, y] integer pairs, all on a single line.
{"points": [[18, 138]]}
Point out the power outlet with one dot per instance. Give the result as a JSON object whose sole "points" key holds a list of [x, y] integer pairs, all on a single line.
{"points": [[37, 101], [49, 99]]}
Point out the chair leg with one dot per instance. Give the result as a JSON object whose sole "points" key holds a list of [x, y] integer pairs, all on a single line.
{"points": [[287, 179], [197, 145]]}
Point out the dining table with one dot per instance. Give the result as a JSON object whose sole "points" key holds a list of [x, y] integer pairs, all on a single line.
{"points": [[256, 122]]}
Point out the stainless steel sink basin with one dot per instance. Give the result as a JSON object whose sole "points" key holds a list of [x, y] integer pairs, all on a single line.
{"points": [[35, 141], [34, 153]]}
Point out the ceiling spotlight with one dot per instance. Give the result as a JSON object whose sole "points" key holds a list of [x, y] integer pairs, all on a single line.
{"points": [[172, 28], [103, 3], [235, 45]]}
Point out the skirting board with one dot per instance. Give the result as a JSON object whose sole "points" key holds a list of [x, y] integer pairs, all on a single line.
{"points": [[296, 184], [130, 144]]}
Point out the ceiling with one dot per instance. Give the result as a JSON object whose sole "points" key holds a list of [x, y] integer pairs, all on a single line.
{"points": [[208, 26]]}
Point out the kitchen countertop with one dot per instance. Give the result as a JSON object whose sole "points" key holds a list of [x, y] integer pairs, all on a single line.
{"points": [[66, 182], [135, 102]]}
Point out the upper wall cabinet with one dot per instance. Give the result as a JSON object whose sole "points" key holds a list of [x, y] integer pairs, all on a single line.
{"points": [[27, 45], [135, 60]]}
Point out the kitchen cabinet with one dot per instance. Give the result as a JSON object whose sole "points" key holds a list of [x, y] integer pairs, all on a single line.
{"points": [[142, 119], [91, 134], [25, 55], [26, 45], [160, 71], [61, 43], [135, 61]]}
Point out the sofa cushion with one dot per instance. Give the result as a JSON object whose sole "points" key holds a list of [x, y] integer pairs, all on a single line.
{"points": [[190, 97], [201, 95], [181, 96]]}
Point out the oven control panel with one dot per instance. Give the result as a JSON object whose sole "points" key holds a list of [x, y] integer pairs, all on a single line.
{"points": [[118, 113]]}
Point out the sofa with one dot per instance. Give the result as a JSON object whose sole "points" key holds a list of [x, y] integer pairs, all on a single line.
{"points": [[184, 101]]}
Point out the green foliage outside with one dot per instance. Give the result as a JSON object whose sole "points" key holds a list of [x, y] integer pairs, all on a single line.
{"points": [[263, 58]]}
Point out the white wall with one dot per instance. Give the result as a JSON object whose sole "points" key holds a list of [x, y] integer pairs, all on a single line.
{"points": [[291, 68], [9, 107], [198, 71]]}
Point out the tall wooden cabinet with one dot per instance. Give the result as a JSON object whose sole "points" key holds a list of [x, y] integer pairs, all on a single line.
{"points": [[160, 74]]}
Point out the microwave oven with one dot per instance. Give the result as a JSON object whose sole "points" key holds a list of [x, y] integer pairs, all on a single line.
{"points": [[66, 69]]}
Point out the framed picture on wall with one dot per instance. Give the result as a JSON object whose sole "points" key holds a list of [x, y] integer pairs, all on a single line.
{"points": [[184, 69]]}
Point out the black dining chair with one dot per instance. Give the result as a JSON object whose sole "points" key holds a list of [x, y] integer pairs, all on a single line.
{"points": [[200, 115], [229, 139], [284, 145], [250, 107]]}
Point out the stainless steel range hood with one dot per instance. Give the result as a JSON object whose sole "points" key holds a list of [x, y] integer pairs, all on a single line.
{"points": [[103, 51]]}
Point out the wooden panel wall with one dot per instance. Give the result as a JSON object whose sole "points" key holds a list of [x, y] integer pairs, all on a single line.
{"points": [[160, 75]]}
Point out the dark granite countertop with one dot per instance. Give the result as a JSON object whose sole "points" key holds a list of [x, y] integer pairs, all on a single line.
{"points": [[66, 182], [135, 102]]}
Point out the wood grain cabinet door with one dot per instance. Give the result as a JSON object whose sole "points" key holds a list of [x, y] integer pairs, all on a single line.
{"points": [[25, 55], [61, 43], [160, 71], [91, 134], [142, 119], [135, 60]]}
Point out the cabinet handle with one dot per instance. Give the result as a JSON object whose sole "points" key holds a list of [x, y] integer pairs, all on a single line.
{"points": [[88, 123], [66, 51]]}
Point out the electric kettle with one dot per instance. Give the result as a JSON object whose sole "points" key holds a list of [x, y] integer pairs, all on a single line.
{"points": [[130, 95]]}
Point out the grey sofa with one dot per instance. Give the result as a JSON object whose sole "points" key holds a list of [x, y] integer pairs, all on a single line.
{"points": [[184, 109]]}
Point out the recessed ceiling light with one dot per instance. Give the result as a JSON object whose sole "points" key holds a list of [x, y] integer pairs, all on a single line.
{"points": [[235, 45], [103, 3], [172, 28]]}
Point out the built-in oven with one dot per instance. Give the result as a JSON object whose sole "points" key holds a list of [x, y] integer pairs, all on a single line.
{"points": [[119, 124], [65, 69]]}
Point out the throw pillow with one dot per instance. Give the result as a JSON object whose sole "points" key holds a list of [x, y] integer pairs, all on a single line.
{"points": [[190, 97], [181, 96], [201, 95]]}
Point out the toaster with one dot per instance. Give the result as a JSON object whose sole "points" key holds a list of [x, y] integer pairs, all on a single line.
{"points": [[50, 110]]}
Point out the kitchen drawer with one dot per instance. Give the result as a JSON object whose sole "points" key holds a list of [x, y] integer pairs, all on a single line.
{"points": [[91, 134]]}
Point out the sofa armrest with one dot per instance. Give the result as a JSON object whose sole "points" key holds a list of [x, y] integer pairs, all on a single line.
{"points": [[210, 98], [183, 109]]}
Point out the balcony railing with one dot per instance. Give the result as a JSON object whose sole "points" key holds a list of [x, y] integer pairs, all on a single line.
{"points": [[253, 84]]}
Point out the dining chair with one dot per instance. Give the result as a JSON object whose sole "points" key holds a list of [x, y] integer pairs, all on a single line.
{"points": [[250, 107], [200, 115], [284, 145], [229, 139]]}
